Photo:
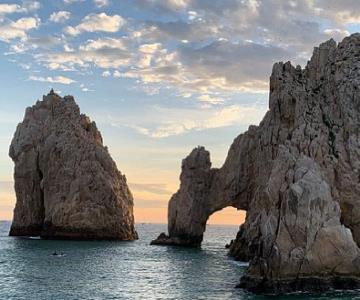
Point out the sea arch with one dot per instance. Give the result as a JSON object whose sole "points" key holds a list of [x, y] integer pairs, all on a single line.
{"points": [[203, 191]]}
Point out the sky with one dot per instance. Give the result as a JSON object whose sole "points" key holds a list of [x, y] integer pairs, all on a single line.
{"points": [[159, 77]]}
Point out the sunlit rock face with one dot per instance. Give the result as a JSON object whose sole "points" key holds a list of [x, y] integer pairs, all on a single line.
{"points": [[297, 176], [67, 186]]}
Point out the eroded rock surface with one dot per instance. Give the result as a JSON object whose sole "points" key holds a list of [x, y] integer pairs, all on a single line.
{"points": [[297, 176], [67, 186]]}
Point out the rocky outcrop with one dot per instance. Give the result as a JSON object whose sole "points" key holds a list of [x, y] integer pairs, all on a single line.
{"points": [[67, 186], [297, 176], [191, 206]]}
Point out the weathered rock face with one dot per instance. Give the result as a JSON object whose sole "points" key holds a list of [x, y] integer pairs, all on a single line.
{"points": [[192, 205], [297, 176], [67, 186]]}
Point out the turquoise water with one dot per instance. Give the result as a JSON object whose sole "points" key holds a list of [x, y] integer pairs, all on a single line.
{"points": [[122, 270]]}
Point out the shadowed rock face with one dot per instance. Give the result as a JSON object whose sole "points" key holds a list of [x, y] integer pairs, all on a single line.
{"points": [[297, 176], [195, 201], [67, 186]]}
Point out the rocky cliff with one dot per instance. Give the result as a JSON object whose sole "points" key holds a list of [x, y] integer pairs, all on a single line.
{"points": [[297, 175], [67, 186]]}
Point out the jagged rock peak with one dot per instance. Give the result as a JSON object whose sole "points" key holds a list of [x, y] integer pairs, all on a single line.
{"points": [[199, 158], [67, 186], [297, 175]]}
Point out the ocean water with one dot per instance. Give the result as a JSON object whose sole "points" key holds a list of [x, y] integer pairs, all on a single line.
{"points": [[124, 270]]}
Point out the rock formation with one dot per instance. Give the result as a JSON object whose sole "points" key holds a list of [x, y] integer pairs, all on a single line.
{"points": [[67, 186], [297, 175], [191, 206]]}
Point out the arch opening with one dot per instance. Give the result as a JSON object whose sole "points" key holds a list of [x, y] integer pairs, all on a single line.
{"points": [[223, 226], [227, 216]]}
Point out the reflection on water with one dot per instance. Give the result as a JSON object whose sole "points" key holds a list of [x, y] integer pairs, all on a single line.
{"points": [[123, 270], [117, 270]]}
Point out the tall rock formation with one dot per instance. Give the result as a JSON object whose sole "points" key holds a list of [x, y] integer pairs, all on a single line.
{"points": [[297, 175], [67, 186]]}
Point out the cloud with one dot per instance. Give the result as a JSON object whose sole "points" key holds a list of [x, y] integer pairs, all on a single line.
{"points": [[342, 12], [60, 16], [209, 49], [154, 188], [221, 66], [31, 5], [56, 79], [228, 46], [31, 43], [104, 53], [44, 41], [106, 74], [97, 22], [26, 7], [294, 24], [72, 1], [176, 4], [181, 121], [9, 8], [17, 29], [336, 33], [84, 88], [210, 99], [165, 5], [117, 74], [101, 3]]}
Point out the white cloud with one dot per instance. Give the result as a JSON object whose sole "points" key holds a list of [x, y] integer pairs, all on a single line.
{"points": [[97, 22], [104, 43], [84, 88], [56, 79], [29, 43], [342, 12], [336, 33], [18, 48], [210, 99], [192, 15], [31, 5], [150, 90], [104, 53], [171, 5], [219, 67], [180, 121], [208, 49], [72, 1], [106, 74], [17, 29], [9, 8], [60, 16], [117, 74], [101, 3], [26, 7], [177, 4]]}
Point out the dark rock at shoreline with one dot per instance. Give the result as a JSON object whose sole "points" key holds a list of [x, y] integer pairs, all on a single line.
{"points": [[311, 285], [186, 241], [227, 246], [67, 186]]}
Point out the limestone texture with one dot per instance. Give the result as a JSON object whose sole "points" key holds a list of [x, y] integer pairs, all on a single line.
{"points": [[297, 175], [67, 186]]}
